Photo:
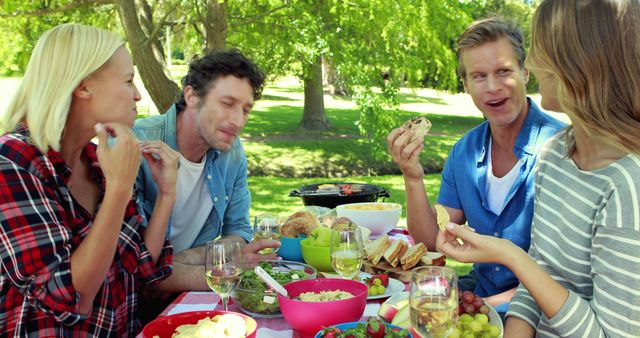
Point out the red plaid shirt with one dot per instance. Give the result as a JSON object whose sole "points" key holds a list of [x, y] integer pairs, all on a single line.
{"points": [[41, 227]]}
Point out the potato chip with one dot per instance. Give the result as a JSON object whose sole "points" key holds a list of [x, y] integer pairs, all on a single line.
{"points": [[442, 216]]}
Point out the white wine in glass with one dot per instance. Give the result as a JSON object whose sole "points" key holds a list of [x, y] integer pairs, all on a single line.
{"points": [[266, 226], [223, 266], [433, 299], [346, 252]]}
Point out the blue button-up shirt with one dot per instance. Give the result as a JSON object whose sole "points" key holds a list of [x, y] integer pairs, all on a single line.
{"points": [[226, 178], [464, 186]]}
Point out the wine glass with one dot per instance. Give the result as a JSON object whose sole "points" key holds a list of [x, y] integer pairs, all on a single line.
{"points": [[266, 226], [346, 250], [434, 301], [223, 266]]}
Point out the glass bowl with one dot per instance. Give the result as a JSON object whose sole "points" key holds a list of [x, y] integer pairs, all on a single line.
{"points": [[257, 299]]}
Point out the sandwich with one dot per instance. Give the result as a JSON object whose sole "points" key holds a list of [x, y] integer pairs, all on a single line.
{"points": [[419, 125], [376, 248], [413, 255], [395, 251]]}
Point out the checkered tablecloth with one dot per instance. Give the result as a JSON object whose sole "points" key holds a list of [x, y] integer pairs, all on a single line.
{"points": [[267, 327]]}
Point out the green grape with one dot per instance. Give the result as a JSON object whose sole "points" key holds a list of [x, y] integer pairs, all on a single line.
{"points": [[494, 331], [465, 318], [455, 333], [482, 318], [475, 326]]}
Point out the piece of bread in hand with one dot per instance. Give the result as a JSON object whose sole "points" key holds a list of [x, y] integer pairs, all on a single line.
{"points": [[395, 250], [376, 248], [412, 257], [419, 125]]}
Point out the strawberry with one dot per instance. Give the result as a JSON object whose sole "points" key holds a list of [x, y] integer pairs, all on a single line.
{"points": [[375, 328], [384, 279], [330, 332]]}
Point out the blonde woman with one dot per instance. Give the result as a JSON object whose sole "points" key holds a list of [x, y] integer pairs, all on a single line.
{"points": [[581, 277], [73, 246]]}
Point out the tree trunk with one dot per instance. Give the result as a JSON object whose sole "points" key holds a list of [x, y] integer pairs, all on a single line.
{"points": [[160, 87], [145, 15], [332, 79], [313, 115], [216, 25]]}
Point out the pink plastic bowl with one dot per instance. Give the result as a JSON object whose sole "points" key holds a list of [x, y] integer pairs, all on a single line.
{"points": [[165, 326], [309, 317]]}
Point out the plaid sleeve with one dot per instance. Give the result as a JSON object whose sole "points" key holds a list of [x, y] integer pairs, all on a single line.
{"points": [[151, 273], [133, 253], [36, 243]]}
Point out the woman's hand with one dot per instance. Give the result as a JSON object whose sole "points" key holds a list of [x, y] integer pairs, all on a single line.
{"points": [[121, 161], [163, 162], [406, 152], [476, 248]]}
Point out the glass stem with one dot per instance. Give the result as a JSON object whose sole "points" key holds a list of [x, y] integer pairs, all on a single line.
{"points": [[225, 303]]}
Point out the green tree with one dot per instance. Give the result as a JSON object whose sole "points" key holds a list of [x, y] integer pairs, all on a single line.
{"points": [[409, 40]]}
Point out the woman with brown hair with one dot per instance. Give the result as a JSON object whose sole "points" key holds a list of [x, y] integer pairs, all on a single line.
{"points": [[580, 277]]}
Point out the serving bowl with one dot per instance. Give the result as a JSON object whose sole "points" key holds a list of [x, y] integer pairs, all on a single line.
{"points": [[379, 217], [256, 299], [165, 326], [350, 325], [309, 317], [317, 256]]}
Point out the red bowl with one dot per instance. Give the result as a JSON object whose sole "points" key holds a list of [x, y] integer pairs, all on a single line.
{"points": [[309, 317], [165, 326]]}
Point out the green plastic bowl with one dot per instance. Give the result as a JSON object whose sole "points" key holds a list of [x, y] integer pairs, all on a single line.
{"points": [[317, 256]]}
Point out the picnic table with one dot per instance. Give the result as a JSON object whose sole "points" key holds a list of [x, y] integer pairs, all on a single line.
{"points": [[267, 327]]}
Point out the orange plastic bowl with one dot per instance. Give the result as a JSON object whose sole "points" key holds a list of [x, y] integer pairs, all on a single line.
{"points": [[165, 326], [309, 317]]}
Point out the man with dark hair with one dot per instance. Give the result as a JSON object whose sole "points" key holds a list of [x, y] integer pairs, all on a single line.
{"points": [[212, 196], [488, 178]]}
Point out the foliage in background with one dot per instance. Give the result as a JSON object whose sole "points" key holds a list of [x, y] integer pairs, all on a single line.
{"points": [[20, 32]]}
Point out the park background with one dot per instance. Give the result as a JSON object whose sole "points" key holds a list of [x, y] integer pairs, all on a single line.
{"points": [[341, 75]]}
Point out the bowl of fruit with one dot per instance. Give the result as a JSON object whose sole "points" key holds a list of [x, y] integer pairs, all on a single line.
{"points": [[315, 249], [257, 299], [371, 328], [475, 320]]}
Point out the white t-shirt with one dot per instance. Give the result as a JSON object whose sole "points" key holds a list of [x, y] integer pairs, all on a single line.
{"points": [[498, 187], [193, 204]]}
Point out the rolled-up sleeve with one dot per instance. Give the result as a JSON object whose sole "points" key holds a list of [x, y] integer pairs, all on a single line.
{"points": [[36, 244], [150, 272]]}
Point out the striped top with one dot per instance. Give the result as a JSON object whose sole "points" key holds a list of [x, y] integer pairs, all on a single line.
{"points": [[586, 235]]}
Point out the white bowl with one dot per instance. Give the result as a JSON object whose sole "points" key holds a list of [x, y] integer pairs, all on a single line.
{"points": [[379, 217]]}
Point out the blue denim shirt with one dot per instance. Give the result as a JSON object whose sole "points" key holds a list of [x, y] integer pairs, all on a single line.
{"points": [[226, 179], [464, 186]]}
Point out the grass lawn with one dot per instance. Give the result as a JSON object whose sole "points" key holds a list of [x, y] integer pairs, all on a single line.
{"points": [[276, 146]]}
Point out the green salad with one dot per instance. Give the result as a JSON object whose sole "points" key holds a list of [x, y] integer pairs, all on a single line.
{"points": [[252, 290]]}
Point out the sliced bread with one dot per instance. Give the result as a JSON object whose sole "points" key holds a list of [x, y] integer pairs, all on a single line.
{"points": [[395, 250], [376, 248], [412, 256]]}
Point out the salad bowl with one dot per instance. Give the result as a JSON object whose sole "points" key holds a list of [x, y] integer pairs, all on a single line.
{"points": [[257, 299]]}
